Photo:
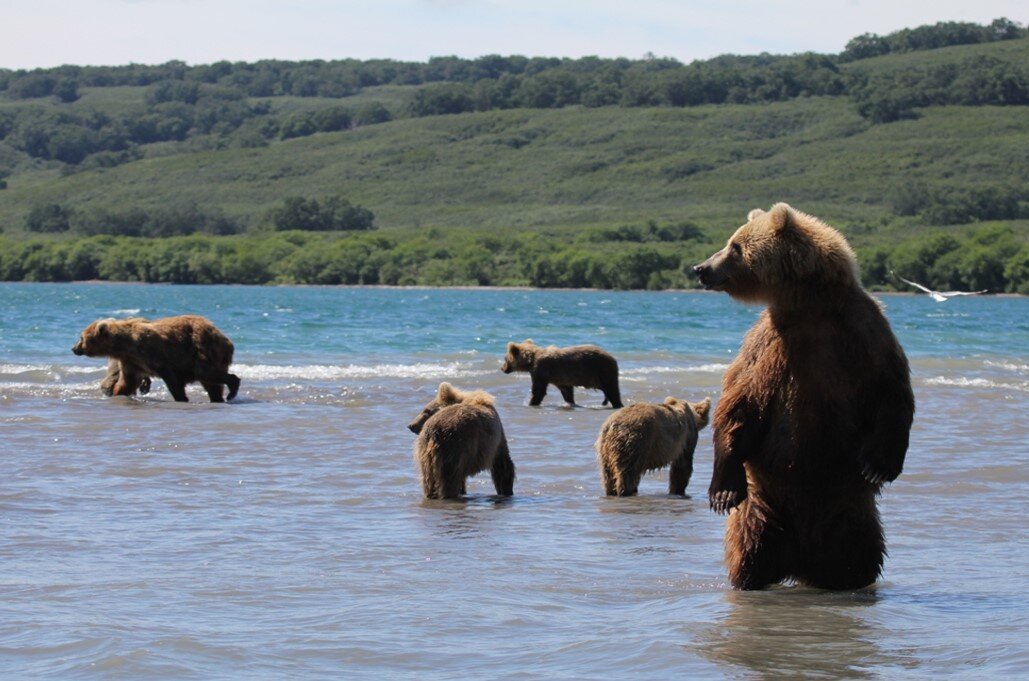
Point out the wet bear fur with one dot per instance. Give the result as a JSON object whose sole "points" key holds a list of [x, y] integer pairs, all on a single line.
{"points": [[180, 350], [815, 411], [646, 437], [582, 366], [460, 435]]}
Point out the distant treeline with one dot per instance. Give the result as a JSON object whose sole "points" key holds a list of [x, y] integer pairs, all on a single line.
{"points": [[653, 256], [330, 214], [222, 101]]}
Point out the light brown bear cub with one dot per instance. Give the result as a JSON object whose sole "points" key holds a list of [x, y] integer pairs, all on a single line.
{"points": [[815, 410], [460, 435], [584, 366], [123, 378], [647, 437], [179, 350]]}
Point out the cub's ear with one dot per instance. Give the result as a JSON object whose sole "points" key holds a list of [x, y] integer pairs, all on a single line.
{"points": [[101, 328], [671, 401], [754, 214], [528, 341], [701, 410], [447, 394], [781, 217], [513, 348]]}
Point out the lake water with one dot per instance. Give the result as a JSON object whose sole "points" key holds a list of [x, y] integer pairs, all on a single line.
{"points": [[285, 535]]}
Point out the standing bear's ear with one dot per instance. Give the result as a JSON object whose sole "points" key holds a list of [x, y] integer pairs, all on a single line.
{"points": [[513, 348], [781, 217], [754, 214]]}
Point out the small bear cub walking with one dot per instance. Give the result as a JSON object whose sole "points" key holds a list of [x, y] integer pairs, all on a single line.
{"points": [[459, 435], [583, 366], [647, 437]]}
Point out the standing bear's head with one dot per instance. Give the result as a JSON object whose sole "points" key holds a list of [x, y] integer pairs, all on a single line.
{"points": [[520, 356], [447, 395], [776, 254]]}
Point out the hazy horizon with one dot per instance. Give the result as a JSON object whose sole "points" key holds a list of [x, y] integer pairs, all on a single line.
{"points": [[48, 33]]}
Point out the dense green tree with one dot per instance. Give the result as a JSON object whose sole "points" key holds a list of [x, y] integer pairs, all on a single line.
{"points": [[48, 218]]}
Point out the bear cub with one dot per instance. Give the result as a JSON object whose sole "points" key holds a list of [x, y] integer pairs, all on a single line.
{"points": [[583, 366], [136, 379], [646, 437], [460, 435]]}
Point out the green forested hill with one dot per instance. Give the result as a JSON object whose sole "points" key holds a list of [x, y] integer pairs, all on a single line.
{"points": [[920, 157]]}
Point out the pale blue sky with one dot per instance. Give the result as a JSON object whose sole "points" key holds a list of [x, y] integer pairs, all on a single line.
{"points": [[38, 33]]}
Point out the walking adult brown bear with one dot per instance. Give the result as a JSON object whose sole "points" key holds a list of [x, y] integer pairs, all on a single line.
{"points": [[647, 437], [815, 410], [180, 350], [584, 366], [459, 435]]}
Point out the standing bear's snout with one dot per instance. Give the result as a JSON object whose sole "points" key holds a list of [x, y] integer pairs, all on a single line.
{"points": [[712, 271]]}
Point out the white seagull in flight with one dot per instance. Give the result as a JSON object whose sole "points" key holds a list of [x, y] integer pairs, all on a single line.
{"points": [[938, 296]]}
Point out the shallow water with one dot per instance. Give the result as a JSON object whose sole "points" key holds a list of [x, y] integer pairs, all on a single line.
{"points": [[285, 535]]}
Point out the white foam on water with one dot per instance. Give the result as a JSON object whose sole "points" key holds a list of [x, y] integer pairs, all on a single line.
{"points": [[704, 368], [53, 368], [965, 382], [1009, 366], [271, 372]]}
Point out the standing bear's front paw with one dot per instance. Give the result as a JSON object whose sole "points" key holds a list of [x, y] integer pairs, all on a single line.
{"points": [[878, 472], [728, 489]]}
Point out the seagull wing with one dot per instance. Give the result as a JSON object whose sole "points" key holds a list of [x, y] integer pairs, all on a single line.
{"points": [[950, 294], [911, 283]]}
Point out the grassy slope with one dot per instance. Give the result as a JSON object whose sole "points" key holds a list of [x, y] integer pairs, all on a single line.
{"points": [[556, 169]]}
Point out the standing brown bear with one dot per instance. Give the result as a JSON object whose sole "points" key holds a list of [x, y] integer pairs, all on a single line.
{"points": [[584, 366], [459, 435], [815, 410], [180, 350], [647, 437]]}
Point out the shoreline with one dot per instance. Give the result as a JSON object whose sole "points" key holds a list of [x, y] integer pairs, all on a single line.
{"points": [[419, 287]]}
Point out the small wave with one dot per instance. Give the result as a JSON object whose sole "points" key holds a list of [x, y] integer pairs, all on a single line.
{"points": [[270, 372], [965, 382], [126, 311], [705, 368], [1009, 366], [48, 370]]}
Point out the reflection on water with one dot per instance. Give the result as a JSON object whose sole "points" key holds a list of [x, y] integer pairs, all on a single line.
{"points": [[796, 632]]}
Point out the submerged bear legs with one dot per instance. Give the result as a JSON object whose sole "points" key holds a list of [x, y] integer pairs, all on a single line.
{"points": [[503, 471], [611, 394], [176, 385], [756, 547], [841, 548], [679, 474], [539, 391], [846, 553], [568, 393]]}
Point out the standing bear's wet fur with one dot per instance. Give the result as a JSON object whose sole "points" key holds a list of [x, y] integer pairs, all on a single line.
{"points": [[582, 366], [460, 435], [646, 437], [180, 350], [815, 410]]}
